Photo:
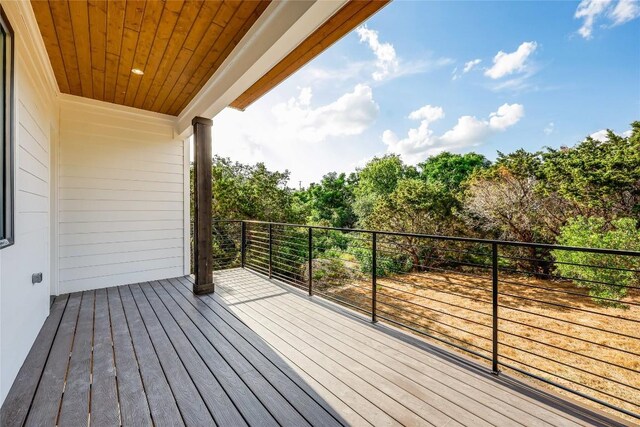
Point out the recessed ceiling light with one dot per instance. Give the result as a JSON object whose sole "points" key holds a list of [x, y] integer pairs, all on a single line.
{"points": [[137, 71]]}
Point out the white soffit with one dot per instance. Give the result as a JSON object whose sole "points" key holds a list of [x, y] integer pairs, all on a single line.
{"points": [[279, 30]]}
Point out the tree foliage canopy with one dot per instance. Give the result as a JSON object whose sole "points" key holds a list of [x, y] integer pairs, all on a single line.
{"points": [[452, 170], [251, 192], [331, 201], [598, 177], [588, 194]]}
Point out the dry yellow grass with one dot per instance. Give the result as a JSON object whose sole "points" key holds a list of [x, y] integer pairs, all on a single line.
{"points": [[588, 348]]}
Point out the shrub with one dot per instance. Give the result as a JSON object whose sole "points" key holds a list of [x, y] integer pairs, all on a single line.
{"points": [[604, 275], [329, 272], [385, 265]]}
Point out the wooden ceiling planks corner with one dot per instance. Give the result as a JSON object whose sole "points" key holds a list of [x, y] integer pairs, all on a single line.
{"points": [[94, 45]]}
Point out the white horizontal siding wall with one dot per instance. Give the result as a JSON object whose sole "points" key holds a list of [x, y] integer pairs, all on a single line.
{"points": [[23, 305], [122, 192]]}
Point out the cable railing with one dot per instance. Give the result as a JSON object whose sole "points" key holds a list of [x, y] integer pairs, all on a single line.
{"points": [[518, 307]]}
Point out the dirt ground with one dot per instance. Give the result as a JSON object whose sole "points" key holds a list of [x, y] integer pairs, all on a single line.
{"points": [[559, 334]]}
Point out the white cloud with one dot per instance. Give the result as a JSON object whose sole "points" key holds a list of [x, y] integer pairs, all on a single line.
{"points": [[429, 113], [350, 114], [387, 61], [601, 135], [506, 116], [548, 129], [625, 11], [470, 65], [298, 133], [305, 96], [617, 13], [516, 84], [386, 66], [505, 64], [454, 74], [360, 71], [469, 131], [589, 11]]}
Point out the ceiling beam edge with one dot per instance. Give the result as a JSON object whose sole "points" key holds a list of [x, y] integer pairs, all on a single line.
{"points": [[279, 30]]}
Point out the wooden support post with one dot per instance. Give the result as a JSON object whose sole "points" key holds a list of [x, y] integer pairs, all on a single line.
{"points": [[203, 267]]}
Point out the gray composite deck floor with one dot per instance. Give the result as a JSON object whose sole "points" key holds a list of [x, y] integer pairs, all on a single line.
{"points": [[255, 353]]}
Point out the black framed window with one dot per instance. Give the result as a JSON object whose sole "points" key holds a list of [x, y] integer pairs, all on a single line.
{"points": [[7, 186]]}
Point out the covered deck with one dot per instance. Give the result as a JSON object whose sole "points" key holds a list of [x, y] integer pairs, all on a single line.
{"points": [[256, 352]]}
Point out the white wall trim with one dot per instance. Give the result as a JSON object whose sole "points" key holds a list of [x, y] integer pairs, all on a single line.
{"points": [[187, 205], [54, 212], [110, 108], [33, 46], [279, 30]]}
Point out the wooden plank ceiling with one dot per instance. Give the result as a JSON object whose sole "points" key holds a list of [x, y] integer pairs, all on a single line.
{"points": [[94, 45]]}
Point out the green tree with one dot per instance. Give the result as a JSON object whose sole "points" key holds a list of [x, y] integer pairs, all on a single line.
{"points": [[415, 206], [380, 175], [600, 178], [378, 178], [505, 201], [331, 201], [245, 192], [606, 276], [520, 163], [251, 192], [452, 170]]}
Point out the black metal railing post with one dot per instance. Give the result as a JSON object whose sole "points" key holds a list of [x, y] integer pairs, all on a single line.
{"points": [[374, 275], [270, 249], [494, 303], [310, 261], [243, 244]]}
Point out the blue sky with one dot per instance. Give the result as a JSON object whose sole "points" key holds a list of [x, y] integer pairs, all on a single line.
{"points": [[423, 77]]}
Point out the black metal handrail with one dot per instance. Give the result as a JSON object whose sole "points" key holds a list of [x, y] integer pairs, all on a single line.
{"points": [[381, 274], [451, 238]]}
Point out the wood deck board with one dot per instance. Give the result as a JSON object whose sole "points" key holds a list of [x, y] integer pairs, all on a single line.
{"points": [[136, 362], [220, 405], [404, 359], [192, 407], [469, 407], [17, 404], [242, 347], [403, 390], [364, 382], [104, 389], [75, 400], [242, 386], [481, 387], [46, 402], [318, 375], [258, 352]]}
